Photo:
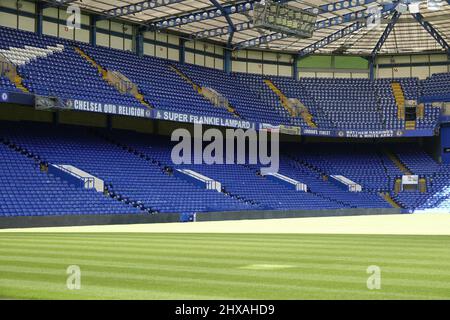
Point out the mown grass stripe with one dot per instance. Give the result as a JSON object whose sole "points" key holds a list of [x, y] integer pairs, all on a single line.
{"points": [[206, 249], [222, 257], [235, 269], [118, 266], [185, 285], [235, 278], [239, 238], [229, 245]]}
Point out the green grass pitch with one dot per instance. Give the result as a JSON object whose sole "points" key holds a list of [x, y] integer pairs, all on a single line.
{"points": [[223, 266]]}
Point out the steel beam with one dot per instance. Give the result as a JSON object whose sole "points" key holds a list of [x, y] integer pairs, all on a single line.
{"points": [[387, 9], [138, 7], [432, 31], [385, 34], [206, 14], [228, 19], [329, 8], [332, 38], [57, 3], [335, 21]]}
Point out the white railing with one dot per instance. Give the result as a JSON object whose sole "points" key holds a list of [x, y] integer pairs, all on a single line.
{"points": [[347, 183], [199, 179], [297, 185]]}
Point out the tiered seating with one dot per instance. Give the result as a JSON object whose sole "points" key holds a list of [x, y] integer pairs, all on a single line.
{"points": [[437, 84], [158, 83], [244, 182], [238, 180], [137, 169], [257, 87], [364, 165], [247, 103], [297, 89], [437, 178], [350, 104], [417, 160], [430, 119], [26, 191], [328, 190], [388, 105], [126, 174], [52, 66]]}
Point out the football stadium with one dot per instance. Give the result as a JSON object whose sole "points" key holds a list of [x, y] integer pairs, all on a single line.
{"points": [[225, 150]]}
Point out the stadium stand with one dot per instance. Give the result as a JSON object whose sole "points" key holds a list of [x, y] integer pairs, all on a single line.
{"points": [[136, 180], [71, 70], [138, 175], [437, 84], [138, 170], [26, 191]]}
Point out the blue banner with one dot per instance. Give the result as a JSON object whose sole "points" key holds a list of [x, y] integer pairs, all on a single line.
{"points": [[205, 120], [349, 133], [143, 112], [16, 97]]}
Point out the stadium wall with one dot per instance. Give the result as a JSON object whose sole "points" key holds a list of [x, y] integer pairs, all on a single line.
{"points": [[387, 66], [86, 220], [405, 66], [328, 66]]}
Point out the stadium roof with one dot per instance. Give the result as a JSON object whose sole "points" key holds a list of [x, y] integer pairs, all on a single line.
{"points": [[229, 22]]}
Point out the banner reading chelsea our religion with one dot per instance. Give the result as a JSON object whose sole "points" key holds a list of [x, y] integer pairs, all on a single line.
{"points": [[99, 107], [143, 112]]}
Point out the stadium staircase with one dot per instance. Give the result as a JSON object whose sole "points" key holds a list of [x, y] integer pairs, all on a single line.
{"points": [[199, 89], [18, 81], [423, 185], [410, 125], [104, 73], [398, 185], [400, 99], [285, 103], [398, 163], [386, 196], [421, 111], [25, 152]]}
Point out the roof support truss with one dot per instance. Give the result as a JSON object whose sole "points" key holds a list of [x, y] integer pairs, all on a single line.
{"points": [[138, 7], [229, 21], [385, 34], [244, 7], [329, 8], [57, 3], [432, 31], [332, 38], [335, 21], [207, 14], [386, 10]]}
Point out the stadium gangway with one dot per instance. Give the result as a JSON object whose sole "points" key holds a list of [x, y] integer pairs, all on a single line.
{"points": [[198, 179], [289, 182], [346, 183], [77, 176]]}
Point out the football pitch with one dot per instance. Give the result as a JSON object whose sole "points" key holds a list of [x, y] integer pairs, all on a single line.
{"points": [[223, 266]]}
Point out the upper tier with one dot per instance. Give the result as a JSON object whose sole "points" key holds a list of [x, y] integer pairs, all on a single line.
{"points": [[75, 71]]}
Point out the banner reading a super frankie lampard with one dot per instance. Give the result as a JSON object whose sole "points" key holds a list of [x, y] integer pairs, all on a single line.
{"points": [[205, 120], [99, 107], [143, 112]]}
